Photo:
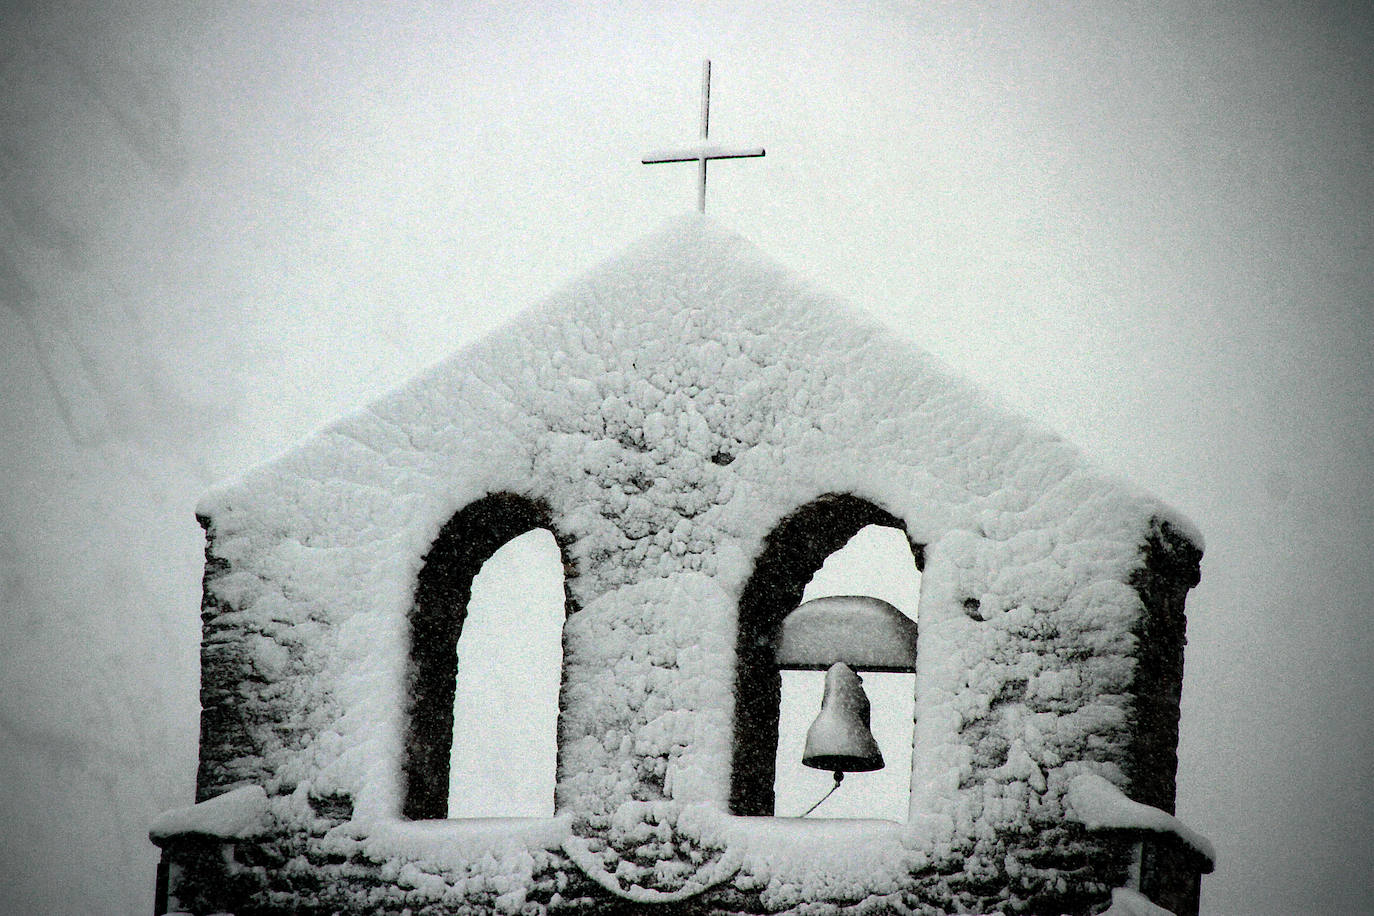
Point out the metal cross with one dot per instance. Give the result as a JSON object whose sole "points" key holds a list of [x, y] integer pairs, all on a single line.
{"points": [[702, 153]]}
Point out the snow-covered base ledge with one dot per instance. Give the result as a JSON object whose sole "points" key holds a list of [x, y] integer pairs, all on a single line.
{"points": [[276, 850], [515, 867]]}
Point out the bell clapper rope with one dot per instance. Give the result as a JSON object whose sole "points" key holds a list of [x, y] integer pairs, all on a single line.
{"points": [[839, 778]]}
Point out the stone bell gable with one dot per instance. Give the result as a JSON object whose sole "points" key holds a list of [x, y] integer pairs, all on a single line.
{"points": [[699, 430]]}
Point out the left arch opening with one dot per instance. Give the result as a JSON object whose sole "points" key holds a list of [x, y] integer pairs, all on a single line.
{"points": [[449, 592], [505, 703]]}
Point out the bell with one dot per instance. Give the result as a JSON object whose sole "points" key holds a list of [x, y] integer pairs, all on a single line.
{"points": [[840, 740]]}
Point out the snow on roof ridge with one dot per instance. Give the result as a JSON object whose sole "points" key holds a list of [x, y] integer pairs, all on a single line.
{"points": [[684, 234], [608, 296]]}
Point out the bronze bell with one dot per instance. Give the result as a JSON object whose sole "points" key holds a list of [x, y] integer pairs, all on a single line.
{"points": [[840, 739]]}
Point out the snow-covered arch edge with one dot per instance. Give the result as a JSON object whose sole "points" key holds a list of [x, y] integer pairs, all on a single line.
{"points": [[442, 590]]}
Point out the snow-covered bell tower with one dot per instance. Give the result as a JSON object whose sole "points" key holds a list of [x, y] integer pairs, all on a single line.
{"points": [[697, 431]]}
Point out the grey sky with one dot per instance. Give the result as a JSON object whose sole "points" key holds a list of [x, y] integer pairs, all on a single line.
{"points": [[1146, 225]]}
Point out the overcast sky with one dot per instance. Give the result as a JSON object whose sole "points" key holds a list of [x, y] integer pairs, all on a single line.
{"points": [[1146, 225]]}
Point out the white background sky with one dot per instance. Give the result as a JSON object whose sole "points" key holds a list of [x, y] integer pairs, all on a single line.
{"points": [[1146, 225]]}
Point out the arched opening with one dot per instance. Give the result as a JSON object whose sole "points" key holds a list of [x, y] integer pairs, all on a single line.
{"points": [[877, 562], [505, 703], [448, 593], [792, 553]]}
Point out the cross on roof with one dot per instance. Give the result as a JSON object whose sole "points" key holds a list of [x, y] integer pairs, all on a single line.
{"points": [[702, 153]]}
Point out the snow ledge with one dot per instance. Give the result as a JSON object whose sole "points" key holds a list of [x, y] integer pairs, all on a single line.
{"points": [[451, 843], [1099, 805], [239, 814]]}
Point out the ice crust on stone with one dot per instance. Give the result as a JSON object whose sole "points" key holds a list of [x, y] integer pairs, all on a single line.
{"points": [[1098, 804], [670, 408], [238, 814]]}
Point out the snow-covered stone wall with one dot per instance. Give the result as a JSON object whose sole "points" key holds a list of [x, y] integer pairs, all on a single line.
{"points": [[673, 418]]}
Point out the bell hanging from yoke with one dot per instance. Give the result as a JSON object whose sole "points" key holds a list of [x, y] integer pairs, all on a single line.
{"points": [[840, 739]]}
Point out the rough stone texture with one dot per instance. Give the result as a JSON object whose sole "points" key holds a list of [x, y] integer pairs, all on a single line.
{"points": [[1171, 568], [226, 748], [256, 676], [1170, 874], [699, 430]]}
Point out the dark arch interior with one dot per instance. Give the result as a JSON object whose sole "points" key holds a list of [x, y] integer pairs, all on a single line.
{"points": [[791, 554], [465, 542]]}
